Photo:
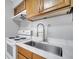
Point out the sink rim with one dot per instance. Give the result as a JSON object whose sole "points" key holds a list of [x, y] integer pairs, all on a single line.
{"points": [[46, 45]]}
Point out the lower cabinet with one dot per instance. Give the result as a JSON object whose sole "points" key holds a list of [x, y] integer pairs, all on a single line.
{"points": [[21, 56], [25, 54], [35, 56]]}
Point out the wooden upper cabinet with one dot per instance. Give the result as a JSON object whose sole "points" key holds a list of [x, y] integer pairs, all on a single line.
{"points": [[32, 7], [36, 9], [19, 8], [39, 9], [52, 5]]}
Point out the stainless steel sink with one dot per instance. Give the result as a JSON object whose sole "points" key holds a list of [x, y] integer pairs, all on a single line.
{"points": [[49, 48]]}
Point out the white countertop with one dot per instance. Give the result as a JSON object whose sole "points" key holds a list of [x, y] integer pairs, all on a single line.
{"points": [[40, 52], [45, 54]]}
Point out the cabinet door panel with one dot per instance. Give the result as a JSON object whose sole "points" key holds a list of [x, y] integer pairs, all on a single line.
{"points": [[35, 56], [32, 7], [24, 52], [21, 56], [51, 5]]}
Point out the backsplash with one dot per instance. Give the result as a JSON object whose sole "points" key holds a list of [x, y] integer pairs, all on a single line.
{"points": [[59, 27]]}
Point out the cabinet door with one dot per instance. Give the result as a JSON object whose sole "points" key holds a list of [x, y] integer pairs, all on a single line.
{"points": [[21, 56], [49, 5], [25, 52], [32, 7], [35, 56]]}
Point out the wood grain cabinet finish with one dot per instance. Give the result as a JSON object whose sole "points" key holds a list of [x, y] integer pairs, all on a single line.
{"points": [[32, 7], [25, 54], [21, 56], [36, 8], [19, 8], [45, 8], [51, 5], [35, 56]]}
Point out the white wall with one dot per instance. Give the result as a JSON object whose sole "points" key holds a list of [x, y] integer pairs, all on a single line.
{"points": [[10, 27], [60, 27]]}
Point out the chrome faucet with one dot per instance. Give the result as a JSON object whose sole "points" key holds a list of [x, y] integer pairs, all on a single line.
{"points": [[44, 39]]}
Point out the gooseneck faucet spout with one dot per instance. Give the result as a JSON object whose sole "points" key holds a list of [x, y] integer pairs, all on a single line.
{"points": [[43, 31]]}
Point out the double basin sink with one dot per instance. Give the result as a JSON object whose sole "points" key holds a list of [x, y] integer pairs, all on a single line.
{"points": [[46, 47]]}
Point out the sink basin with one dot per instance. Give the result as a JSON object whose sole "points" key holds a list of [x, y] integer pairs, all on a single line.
{"points": [[49, 48]]}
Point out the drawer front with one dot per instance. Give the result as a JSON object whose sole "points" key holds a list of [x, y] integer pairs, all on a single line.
{"points": [[25, 52], [19, 8]]}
